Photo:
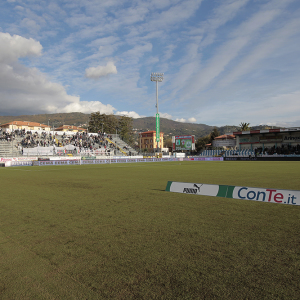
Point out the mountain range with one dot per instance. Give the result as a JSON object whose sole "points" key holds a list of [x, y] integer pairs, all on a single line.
{"points": [[168, 127]]}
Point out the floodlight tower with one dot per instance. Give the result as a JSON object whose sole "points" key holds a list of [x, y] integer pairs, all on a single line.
{"points": [[158, 77]]}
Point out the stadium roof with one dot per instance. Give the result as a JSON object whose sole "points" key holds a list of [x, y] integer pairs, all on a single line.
{"points": [[277, 130], [225, 137], [24, 123], [69, 127]]}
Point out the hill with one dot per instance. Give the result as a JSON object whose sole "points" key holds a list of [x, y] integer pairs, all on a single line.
{"points": [[168, 127], [55, 120]]}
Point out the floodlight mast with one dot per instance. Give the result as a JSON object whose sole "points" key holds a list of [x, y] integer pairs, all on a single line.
{"points": [[158, 77]]}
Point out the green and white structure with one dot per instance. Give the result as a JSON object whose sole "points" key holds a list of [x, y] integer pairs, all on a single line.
{"points": [[236, 192], [158, 77]]}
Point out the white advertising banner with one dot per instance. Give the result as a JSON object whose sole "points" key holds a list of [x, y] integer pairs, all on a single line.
{"points": [[236, 192]]}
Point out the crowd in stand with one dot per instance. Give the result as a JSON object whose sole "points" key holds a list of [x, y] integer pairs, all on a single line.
{"points": [[80, 140], [8, 136], [284, 150]]}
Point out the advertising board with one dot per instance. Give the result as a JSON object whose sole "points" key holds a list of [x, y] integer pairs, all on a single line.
{"points": [[21, 158], [183, 142], [270, 139], [291, 138], [291, 197]]}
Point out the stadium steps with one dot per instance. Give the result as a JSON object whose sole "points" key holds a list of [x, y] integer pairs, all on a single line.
{"points": [[123, 144], [8, 149], [119, 151]]}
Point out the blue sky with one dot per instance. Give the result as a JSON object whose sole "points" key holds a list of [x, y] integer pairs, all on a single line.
{"points": [[224, 61]]}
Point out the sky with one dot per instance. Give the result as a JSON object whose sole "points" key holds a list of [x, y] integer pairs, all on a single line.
{"points": [[224, 61]]}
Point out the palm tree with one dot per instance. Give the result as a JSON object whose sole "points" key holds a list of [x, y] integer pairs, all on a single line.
{"points": [[245, 126]]}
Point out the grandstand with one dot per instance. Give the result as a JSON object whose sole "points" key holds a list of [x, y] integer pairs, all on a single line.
{"points": [[58, 143], [7, 149], [258, 143], [228, 153], [269, 141]]}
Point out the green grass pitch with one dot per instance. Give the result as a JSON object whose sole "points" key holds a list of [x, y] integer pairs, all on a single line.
{"points": [[112, 232]]}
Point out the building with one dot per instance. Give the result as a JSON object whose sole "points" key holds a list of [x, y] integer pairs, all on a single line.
{"points": [[68, 128], [20, 125], [268, 138], [148, 141], [225, 141]]}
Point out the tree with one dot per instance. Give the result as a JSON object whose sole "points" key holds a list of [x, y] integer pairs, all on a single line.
{"points": [[244, 126], [168, 142], [214, 134], [96, 122], [201, 142], [110, 124], [125, 129], [99, 121]]}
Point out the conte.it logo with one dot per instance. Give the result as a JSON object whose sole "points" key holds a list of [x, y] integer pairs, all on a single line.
{"points": [[268, 194]]}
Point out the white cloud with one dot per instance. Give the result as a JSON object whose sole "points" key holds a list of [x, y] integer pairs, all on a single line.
{"points": [[281, 107], [162, 3], [276, 110], [31, 25], [18, 7], [14, 47], [189, 66], [79, 20], [101, 71], [175, 14], [55, 9], [165, 115], [192, 120], [132, 15], [104, 42], [24, 89], [296, 123], [278, 38], [168, 53], [256, 22], [29, 90], [131, 114], [182, 120], [204, 50], [35, 93], [88, 107], [152, 60], [134, 54], [222, 14], [230, 50]]}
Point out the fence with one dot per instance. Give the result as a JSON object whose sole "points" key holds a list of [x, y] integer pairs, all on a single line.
{"points": [[226, 153], [35, 161], [100, 161]]}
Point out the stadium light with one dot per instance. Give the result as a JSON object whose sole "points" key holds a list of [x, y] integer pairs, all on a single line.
{"points": [[158, 77]]}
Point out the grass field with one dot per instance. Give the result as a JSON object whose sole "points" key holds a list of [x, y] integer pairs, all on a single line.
{"points": [[112, 232]]}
